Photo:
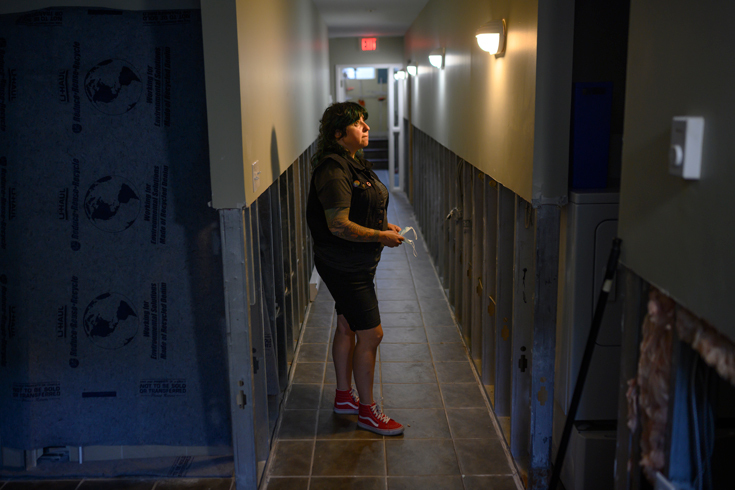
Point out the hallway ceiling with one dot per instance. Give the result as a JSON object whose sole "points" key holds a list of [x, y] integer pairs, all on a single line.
{"points": [[351, 18]]}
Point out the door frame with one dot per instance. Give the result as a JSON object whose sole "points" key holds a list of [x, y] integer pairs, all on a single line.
{"points": [[395, 104]]}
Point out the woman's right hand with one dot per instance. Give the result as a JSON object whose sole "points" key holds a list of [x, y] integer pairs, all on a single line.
{"points": [[390, 238]]}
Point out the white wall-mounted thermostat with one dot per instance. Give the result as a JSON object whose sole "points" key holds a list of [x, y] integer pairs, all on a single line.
{"points": [[685, 152]]}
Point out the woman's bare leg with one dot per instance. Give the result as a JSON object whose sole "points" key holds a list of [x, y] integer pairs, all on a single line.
{"points": [[343, 348], [364, 362]]}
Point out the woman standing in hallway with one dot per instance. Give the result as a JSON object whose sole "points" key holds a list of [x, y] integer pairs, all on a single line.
{"points": [[346, 214]]}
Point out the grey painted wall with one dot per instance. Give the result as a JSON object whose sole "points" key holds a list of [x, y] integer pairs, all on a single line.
{"points": [[676, 234]]}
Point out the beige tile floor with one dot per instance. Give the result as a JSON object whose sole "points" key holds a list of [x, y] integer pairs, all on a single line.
{"points": [[424, 379]]}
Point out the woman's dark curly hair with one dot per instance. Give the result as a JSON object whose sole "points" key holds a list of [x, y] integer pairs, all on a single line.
{"points": [[335, 120]]}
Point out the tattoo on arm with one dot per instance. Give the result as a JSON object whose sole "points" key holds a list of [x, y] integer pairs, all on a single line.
{"points": [[340, 225]]}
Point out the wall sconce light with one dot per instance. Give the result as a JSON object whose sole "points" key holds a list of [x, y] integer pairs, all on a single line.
{"points": [[491, 37], [436, 58], [399, 75], [412, 69]]}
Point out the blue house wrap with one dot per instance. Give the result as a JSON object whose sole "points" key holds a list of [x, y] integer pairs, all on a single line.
{"points": [[112, 324]]}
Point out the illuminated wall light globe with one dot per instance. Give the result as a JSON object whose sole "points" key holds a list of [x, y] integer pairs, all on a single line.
{"points": [[491, 37], [489, 42], [412, 70], [436, 58], [399, 75]]}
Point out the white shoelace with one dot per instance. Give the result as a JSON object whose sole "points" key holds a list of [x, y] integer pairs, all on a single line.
{"points": [[403, 233], [379, 414]]}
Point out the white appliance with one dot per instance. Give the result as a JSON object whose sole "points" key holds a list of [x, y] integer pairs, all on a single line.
{"points": [[589, 225]]}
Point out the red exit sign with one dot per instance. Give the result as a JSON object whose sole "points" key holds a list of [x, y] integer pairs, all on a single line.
{"points": [[369, 43]]}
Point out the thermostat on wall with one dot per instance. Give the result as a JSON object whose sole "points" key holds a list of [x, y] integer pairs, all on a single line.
{"points": [[685, 152]]}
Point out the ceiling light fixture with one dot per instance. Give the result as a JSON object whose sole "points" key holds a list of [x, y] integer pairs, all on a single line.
{"points": [[436, 58], [412, 69], [399, 75], [491, 37]]}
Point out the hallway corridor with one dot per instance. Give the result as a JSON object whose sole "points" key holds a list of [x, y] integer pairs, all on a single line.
{"points": [[423, 379]]}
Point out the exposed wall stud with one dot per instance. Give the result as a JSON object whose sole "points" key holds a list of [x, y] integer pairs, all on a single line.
{"points": [[458, 233], [628, 445], [489, 263], [546, 245], [268, 293], [257, 337], [467, 266], [478, 232], [234, 263], [284, 338], [522, 338], [504, 301]]}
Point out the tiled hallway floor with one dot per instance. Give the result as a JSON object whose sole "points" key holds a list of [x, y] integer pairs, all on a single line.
{"points": [[423, 379]]}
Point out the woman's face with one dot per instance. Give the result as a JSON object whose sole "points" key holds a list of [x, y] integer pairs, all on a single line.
{"points": [[355, 137]]}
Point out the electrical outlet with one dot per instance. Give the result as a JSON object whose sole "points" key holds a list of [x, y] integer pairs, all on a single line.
{"points": [[256, 175]]}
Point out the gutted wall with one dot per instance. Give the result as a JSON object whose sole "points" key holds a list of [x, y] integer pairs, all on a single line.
{"points": [[508, 116], [677, 234], [267, 78], [480, 107]]}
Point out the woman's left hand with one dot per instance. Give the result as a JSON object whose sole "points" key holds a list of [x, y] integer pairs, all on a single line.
{"points": [[393, 227]]}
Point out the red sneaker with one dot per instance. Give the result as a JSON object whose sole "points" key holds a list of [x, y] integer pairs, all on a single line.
{"points": [[346, 401], [373, 419]]}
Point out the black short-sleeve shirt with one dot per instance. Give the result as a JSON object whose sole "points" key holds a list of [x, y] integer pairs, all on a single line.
{"points": [[344, 182]]}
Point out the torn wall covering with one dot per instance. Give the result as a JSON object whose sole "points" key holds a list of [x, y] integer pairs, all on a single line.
{"points": [[648, 393], [717, 350], [112, 321]]}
